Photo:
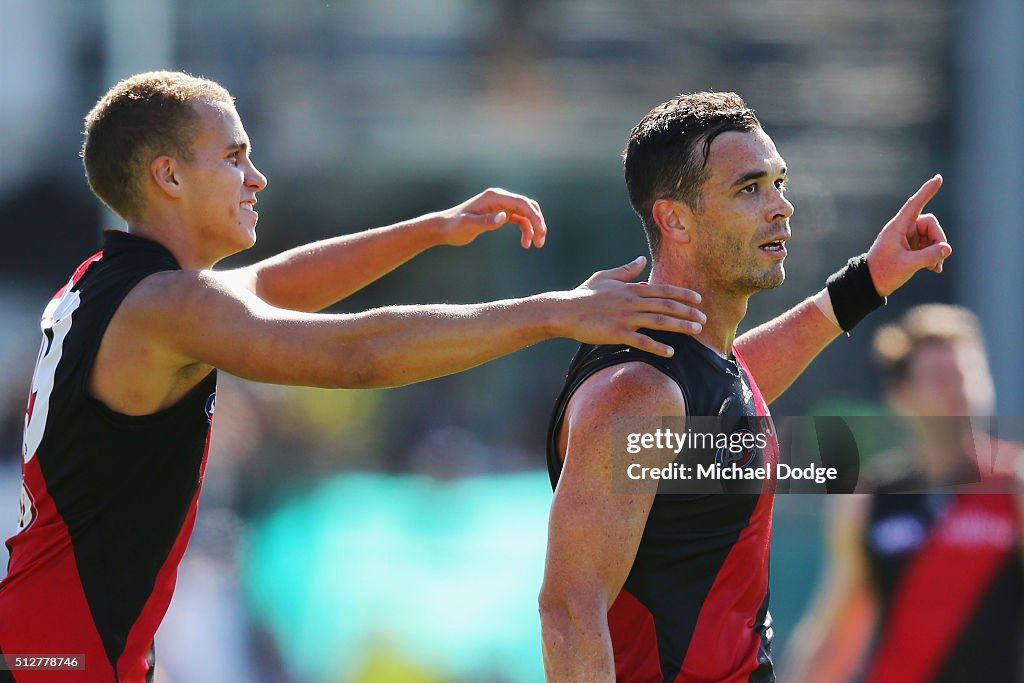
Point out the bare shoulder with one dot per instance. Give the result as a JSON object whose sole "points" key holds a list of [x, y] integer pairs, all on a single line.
{"points": [[173, 294], [139, 368], [629, 389], [171, 309]]}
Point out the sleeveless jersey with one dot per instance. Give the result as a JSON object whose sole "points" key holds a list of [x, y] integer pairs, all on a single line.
{"points": [[694, 607], [947, 571], [108, 500]]}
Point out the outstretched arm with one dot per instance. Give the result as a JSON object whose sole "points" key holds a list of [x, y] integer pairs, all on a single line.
{"points": [[779, 350], [316, 275], [199, 317], [594, 532], [782, 348]]}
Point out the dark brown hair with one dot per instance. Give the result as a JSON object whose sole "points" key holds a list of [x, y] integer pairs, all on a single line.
{"points": [[140, 118], [661, 159]]}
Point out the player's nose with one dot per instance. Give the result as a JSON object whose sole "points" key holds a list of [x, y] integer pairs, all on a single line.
{"points": [[783, 209], [254, 179]]}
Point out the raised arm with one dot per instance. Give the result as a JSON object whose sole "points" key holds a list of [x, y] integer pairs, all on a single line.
{"points": [[593, 533], [782, 348], [200, 317], [779, 350], [830, 641], [316, 275]]}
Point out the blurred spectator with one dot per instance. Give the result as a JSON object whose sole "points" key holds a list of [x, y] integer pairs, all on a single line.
{"points": [[930, 585]]}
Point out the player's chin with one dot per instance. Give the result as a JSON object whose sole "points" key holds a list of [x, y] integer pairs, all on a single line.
{"points": [[243, 241], [772, 277], [246, 233]]}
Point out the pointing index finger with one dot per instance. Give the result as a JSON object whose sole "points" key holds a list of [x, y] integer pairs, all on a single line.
{"points": [[913, 206]]}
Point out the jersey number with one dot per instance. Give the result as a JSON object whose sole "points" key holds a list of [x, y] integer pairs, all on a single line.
{"points": [[56, 324]]}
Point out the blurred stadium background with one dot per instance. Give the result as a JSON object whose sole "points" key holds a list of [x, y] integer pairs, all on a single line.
{"points": [[399, 535]]}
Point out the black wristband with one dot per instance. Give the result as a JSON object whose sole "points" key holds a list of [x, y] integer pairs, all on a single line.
{"points": [[853, 293]]}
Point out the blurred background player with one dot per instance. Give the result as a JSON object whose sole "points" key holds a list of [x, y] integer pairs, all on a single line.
{"points": [[118, 419], [643, 587], [928, 585]]}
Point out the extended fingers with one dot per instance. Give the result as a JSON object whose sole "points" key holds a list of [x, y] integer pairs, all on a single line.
{"points": [[668, 292], [623, 273], [645, 343], [915, 204], [657, 321], [668, 323], [659, 314], [669, 308]]}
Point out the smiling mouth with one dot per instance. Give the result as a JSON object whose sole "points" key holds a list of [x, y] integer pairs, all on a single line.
{"points": [[247, 206]]}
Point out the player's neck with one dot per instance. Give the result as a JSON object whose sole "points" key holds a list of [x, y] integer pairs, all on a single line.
{"points": [[724, 309], [167, 230]]}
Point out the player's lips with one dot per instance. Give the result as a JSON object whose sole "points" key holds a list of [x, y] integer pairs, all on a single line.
{"points": [[776, 246], [248, 205]]}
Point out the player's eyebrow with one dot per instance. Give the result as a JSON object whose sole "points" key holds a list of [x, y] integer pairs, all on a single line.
{"points": [[753, 175], [239, 144]]}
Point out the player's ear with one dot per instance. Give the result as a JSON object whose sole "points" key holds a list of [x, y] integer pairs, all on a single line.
{"points": [[166, 173], [674, 220]]}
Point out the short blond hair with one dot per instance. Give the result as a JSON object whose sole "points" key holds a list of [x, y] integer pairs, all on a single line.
{"points": [[141, 117], [894, 344]]}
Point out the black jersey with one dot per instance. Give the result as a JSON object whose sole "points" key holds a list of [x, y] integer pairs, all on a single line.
{"points": [[108, 500], [695, 604], [947, 571]]}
